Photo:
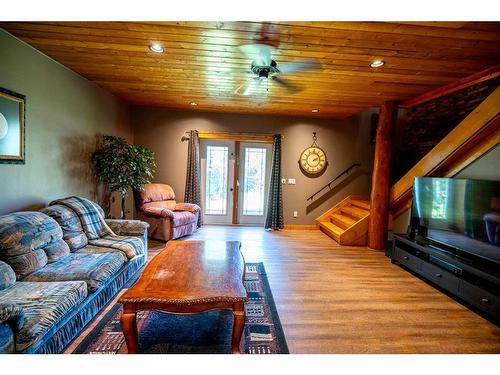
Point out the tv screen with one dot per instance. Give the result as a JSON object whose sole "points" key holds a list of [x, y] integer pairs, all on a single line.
{"points": [[461, 213]]}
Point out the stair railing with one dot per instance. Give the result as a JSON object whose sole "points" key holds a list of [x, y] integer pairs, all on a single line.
{"points": [[328, 185]]}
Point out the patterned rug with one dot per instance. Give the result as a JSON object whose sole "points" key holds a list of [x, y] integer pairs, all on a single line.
{"points": [[209, 332]]}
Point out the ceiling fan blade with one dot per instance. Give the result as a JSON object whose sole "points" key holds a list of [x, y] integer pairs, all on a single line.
{"points": [[248, 87], [260, 54], [310, 64], [286, 84]]}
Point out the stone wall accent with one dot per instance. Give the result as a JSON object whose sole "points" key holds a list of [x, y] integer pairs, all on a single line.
{"points": [[425, 125]]}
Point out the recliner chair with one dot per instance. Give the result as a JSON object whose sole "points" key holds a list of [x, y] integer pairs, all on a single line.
{"points": [[167, 219]]}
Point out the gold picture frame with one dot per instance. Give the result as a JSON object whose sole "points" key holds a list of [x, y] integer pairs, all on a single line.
{"points": [[12, 127]]}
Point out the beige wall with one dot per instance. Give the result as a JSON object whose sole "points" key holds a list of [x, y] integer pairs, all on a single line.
{"points": [[485, 168], [64, 113], [345, 142]]}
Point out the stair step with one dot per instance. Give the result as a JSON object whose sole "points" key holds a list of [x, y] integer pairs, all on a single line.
{"points": [[342, 221], [354, 212], [365, 205], [332, 230]]}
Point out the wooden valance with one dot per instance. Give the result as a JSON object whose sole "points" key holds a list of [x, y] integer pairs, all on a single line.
{"points": [[243, 137]]}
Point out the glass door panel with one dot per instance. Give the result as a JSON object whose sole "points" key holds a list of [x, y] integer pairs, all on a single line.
{"points": [[255, 163], [216, 181], [217, 167]]}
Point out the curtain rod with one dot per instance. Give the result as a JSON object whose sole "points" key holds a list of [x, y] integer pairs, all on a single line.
{"points": [[255, 137]]}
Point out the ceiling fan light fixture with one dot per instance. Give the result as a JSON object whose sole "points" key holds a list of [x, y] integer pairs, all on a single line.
{"points": [[377, 63], [194, 104], [156, 47], [315, 110]]}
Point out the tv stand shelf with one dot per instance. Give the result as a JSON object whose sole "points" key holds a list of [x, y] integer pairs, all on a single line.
{"points": [[477, 287]]}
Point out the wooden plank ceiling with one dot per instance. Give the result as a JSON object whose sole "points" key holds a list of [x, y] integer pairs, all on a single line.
{"points": [[203, 64]]}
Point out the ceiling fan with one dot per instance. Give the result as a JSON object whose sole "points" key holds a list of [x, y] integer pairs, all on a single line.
{"points": [[264, 68]]}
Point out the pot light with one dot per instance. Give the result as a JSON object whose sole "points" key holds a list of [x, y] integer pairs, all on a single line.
{"points": [[377, 63], [156, 47], [194, 104], [315, 110]]}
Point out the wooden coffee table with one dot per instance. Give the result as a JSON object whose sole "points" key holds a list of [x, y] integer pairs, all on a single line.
{"points": [[189, 277]]}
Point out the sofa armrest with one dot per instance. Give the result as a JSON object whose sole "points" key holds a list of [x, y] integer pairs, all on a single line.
{"points": [[191, 207], [159, 211], [12, 315], [135, 228], [11, 322]]}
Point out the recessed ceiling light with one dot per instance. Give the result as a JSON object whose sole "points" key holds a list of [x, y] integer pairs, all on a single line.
{"points": [[377, 63], [194, 104], [315, 110], [156, 47]]}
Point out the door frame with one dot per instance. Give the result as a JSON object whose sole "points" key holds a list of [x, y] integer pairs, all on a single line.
{"points": [[237, 138]]}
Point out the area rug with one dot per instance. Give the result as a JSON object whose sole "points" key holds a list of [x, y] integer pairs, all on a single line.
{"points": [[209, 332]]}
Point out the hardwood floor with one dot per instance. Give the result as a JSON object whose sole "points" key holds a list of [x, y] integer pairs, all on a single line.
{"points": [[334, 299]]}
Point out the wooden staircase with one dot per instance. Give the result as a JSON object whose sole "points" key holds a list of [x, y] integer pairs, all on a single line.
{"points": [[347, 222]]}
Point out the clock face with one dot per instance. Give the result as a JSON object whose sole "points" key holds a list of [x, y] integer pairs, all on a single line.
{"points": [[313, 160]]}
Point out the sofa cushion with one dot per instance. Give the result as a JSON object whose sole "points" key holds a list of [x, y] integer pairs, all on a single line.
{"points": [[56, 251], [130, 246], [91, 249], [183, 218], [7, 276], [44, 304], [170, 205], [22, 232], [25, 264], [94, 269], [70, 224]]}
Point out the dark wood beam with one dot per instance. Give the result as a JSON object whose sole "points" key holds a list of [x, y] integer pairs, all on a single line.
{"points": [[481, 76], [379, 198]]}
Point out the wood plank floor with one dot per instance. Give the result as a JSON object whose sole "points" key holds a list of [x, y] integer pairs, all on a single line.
{"points": [[334, 299]]}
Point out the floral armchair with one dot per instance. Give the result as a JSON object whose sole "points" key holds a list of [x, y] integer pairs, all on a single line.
{"points": [[167, 219]]}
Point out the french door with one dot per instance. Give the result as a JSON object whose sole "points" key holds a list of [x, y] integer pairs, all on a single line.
{"points": [[253, 179], [235, 181], [217, 176]]}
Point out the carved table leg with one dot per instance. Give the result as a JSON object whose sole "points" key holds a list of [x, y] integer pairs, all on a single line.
{"points": [[128, 321], [239, 324]]}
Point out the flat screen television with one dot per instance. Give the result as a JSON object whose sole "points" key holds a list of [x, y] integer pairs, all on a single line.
{"points": [[460, 213]]}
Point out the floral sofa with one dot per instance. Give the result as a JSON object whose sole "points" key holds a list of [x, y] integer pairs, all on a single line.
{"points": [[54, 280]]}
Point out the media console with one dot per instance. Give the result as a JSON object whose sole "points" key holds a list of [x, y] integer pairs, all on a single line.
{"points": [[472, 279]]}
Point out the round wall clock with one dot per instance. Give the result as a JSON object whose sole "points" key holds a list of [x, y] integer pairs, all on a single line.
{"points": [[313, 159]]}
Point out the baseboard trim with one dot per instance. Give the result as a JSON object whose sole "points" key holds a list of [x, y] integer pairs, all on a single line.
{"points": [[301, 227]]}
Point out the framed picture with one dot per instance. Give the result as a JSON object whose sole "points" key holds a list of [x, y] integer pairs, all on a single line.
{"points": [[12, 127]]}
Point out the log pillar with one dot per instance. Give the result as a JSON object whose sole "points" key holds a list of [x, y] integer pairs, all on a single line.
{"points": [[379, 197]]}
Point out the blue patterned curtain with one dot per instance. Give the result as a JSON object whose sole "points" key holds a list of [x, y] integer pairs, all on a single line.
{"points": [[274, 218], [193, 176]]}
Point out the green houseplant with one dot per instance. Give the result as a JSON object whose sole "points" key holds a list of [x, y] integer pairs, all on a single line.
{"points": [[121, 166]]}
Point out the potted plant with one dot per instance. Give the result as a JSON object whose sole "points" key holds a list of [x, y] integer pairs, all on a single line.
{"points": [[121, 166]]}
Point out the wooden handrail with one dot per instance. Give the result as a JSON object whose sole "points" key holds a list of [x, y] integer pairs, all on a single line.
{"points": [[478, 133], [328, 185]]}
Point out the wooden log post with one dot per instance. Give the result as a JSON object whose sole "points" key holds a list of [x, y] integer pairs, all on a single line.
{"points": [[381, 177]]}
